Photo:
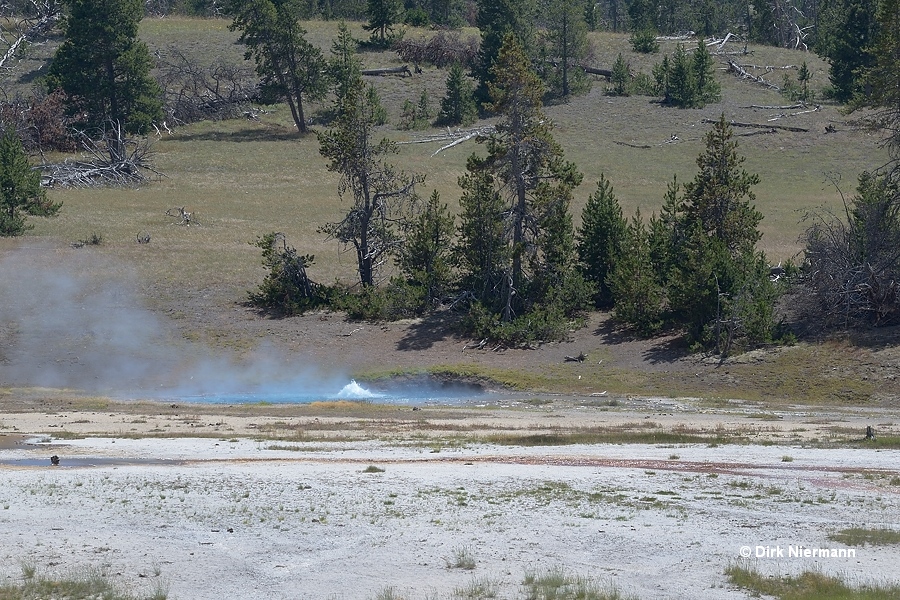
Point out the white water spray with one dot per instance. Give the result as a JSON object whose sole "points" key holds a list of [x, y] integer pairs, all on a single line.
{"points": [[355, 391]]}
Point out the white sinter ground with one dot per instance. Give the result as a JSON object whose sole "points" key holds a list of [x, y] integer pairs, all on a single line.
{"points": [[271, 520]]}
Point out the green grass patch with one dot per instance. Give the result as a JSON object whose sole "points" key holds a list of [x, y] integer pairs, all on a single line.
{"points": [[461, 558], [809, 585], [89, 585], [557, 584], [857, 536]]}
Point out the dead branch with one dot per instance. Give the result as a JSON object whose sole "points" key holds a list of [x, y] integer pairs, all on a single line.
{"points": [[719, 44], [802, 112], [676, 38], [769, 68], [184, 217], [114, 160], [455, 137], [192, 92], [596, 71], [27, 30], [477, 346], [758, 132], [788, 107], [784, 127], [580, 358], [441, 50], [642, 146], [743, 74]]}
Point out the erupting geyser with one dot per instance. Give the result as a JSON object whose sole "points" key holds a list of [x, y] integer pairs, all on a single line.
{"points": [[357, 392]]}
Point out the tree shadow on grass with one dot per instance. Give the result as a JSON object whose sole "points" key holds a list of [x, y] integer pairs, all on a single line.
{"points": [[433, 328], [268, 134], [665, 347]]}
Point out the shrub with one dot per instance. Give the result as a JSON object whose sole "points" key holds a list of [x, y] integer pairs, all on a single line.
{"points": [[644, 41], [286, 289]]}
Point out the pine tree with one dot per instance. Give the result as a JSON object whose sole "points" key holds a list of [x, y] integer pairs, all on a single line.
{"points": [[717, 279], [20, 189], [481, 251], [383, 15], [458, 104], [525, 169], [567, 47], [720, 198], [381, 196], [707, 88], [600, 239], [681, 90], [425, 255], [497, 19], [846, 31], [634, 283], [343, 66], [103, 68], [620, 76], [290, 67], [882, 80]]}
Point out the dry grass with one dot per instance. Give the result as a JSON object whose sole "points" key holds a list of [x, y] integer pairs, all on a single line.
{"points": [[859, 536], [244, 179], [809, 585]]}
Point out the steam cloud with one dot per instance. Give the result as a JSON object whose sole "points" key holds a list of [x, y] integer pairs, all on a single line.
{"points": [[63, 326]]}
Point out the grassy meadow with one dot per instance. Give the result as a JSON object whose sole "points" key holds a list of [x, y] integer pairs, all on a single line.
{"points": [[246, 178]]}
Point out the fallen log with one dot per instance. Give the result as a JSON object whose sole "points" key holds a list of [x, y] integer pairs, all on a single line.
{"points": [[786, 107], [601, 72], [402, 70], [642, 146], [759, 126], [743, 74]]}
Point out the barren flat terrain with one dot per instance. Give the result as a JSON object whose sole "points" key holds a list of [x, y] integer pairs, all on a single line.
{"points": [[345, 501]]}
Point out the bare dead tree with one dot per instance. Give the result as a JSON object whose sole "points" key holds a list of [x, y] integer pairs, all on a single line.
{"points": [[184, 217], [853, 260], [193, 92], [113, 160], [19, 30], [441, 50]]}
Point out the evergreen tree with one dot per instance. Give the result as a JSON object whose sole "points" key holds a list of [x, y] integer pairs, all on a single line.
{"points": [[682, 81], [481, 252], [103, 68], [600, 240], [424, 258], [343, 66], [290, 67], [718, 284], [20, 189], [882, 80], [567, 46], [688, 80], [497, 19], [720, 198], [381, 197], [383, 15], [707, 88], [620, 76], [847, 29], [642, 15], [458, 104], [525, 170], [634, 283]]}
